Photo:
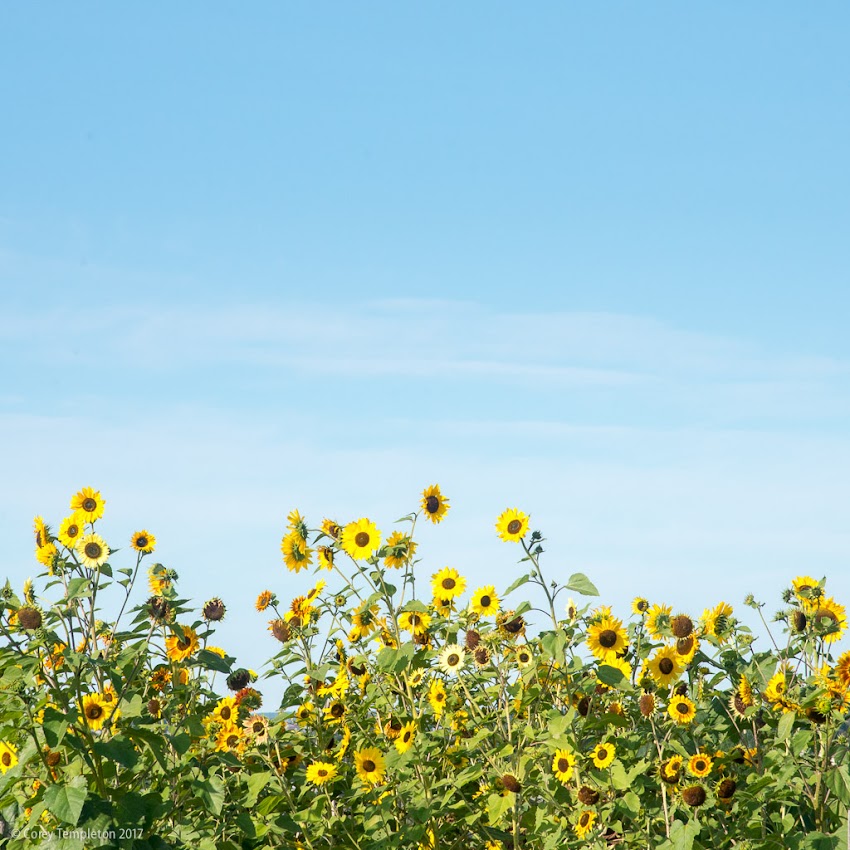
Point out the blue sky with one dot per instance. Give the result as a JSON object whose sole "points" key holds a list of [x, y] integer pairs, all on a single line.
{"points": [[587, 261]]}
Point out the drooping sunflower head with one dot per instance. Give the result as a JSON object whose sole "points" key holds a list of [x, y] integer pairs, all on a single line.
{"points": [[399, 550], [510, 624], [807, 590], [214, 610], [325, 555], [646, 704], [264, 600], [143, 542], [89, 503], [512, 525], [681, 625], [42, 535], [694, 796], [434, 503], [297, 555]]}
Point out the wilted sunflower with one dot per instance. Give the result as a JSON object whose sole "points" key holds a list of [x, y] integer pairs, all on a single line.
{"points": [[510, 624], [70, 530], [180, 648], [434, 503], [415, 622], [297, 555], [143, 542], [485, 602], [585, 823], [214, 610], [160, 678], [93, 551], [325, 557], [664, 666], [448, 583], [603, 755], [563, 764], [404, 739], [646, 704], [437, 697], [89, 503], [694, 795], [370, 765], [671, 769], [681, 709], [607, 639], [94, 712], [264, 600], [700, 765], [512, 525], [452, 658]]}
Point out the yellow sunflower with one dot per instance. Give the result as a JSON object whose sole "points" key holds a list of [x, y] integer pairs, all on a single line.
{"points": [[563, 764], [437, 697], [448, 583], [776, 687], [485, 602], [92, 551], [715, 621], [94, 712], [334, 713], [585, 823], [404, 739], [89, 503], [42, 535], [524, 656], [8, 756], [264, 600], [512, 525], [297, 555], [46, 554], [226, 711], [664, 666], [143, 541], [399, 550], [416, 622], [700, 765], [671, 769], [70, 530], [686, 648], [842, 669], [452, 658], [370, 765], [444, 607], [180, 648], [607, 639], [640, 605], [331, 528], [364, 621], [434, 503], [658, 620], [603, 755], [681, 709], [745, 691], [345, 740], [361, 539], [305, 714], [325, 557], [829, 619], [807, 590], [321, 772]]}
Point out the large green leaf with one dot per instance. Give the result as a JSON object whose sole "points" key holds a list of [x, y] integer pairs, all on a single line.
{"points": [[580, 583], [66, 801]]}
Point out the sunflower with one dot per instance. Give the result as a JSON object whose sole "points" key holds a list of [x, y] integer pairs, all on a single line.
{"points": [[334, 713], [694, 796], [563, 764], [70, 530], [8, 756], [437, 697], [325, 556], [321, 772], [158, 579], [226, 711], [93, 551], [715, 621], [512, 525], [415, 622], [399, 550], [345, 740], [699, 765], [264, 600], [776, 687], [829, 619], [404, 739], [180, 648], [681, 709], [485, 602], [46, 554], [807, 590], [331, 529], [603, 755], [448, 583], [585, 823], [658, 620], [89, 503], [42, 534], [257, 726], [443, 607], [297, 555], [230, 739], [452, 658], [686, 649], [94, 713], [664, 666], [361, 539], [646, 704], [842, 670], [110, 701], [299, 611], [511, 624], [305, 714], [434, 504], [143, 542], [745, 689], [607, 639], [671, 769], [523, 656], [370, 765], [640, 605]]}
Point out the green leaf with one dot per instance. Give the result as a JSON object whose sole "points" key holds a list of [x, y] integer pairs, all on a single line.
{"points": [[119, 750], [213, 661], [518, 583], [497, 805], [580, 583], [613, 677], [256, 783], [55, 726], [417, 606], [554, 645], [682, 835], [211, 791], [66, 801], [838, 781], [786, 724], [619, 779], [78, 588]]}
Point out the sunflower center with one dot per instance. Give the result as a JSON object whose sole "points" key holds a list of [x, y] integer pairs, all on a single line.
{"points": [[684, 645], [337, 710], [602, 754], [141, 542], [415, 619], [368, 765], [453, 659], [485, 601], [6, 759], [89, 504], [583, 820], [93, 550], [73, 530], [432, 504], [682, 708], [407, 736], [563, 765], [699, 764], [665, 666], [448, 583], [94, 712], [608, 638], [184, 643], [322, 772], [362, 538], [226, 714], [514, 526]]}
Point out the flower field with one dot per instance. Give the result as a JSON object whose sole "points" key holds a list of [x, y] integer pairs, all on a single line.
{"points": [[419, 711]]}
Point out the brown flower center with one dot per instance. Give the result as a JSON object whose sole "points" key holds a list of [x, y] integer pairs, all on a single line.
{"points": [[563, 765], [89, 504], [453, 659], [94, 711], [93, 550], [226, 712], [608, 638], [485, 601], [584, 820], [73, 530], [368, 765], [602, 754], [141, 541], [257, 728], [514, 526], [448, 583], [6, 758], [322, 772], [361, 539], [665, 666], [432, 504], [683, 708], [337, 710]]}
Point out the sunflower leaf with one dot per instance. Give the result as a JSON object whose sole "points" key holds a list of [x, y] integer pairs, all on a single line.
{"points": [[518, 583], [580, 583], [66, 801], [786, 724]]}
